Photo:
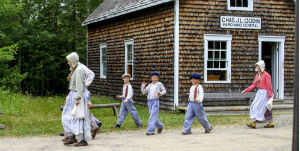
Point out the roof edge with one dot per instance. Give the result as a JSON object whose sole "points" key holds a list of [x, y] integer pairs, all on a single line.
{"points": [[125, 12]]}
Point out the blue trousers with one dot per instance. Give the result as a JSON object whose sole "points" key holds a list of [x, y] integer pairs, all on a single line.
{"points": [[128, 107], [153, 106], [195, 109]]}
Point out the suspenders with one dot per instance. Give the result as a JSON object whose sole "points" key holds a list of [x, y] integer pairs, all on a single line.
{"points": [[195, 93], [126, 91]]}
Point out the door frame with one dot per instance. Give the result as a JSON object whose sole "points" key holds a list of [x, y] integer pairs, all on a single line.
{"points": [[280, 40]]}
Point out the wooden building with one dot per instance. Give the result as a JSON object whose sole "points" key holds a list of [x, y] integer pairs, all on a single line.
{"points": [[220, 39]]}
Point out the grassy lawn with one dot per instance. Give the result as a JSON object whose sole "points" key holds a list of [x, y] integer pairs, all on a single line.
{"points": [[32, 116]]}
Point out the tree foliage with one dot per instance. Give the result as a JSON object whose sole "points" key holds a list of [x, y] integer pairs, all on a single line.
{"points": [[44, 31]]}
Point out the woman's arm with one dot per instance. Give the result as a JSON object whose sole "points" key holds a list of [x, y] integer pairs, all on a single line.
{"points": [[80, 83], [269, 85], [90, 76], [252, 86]]}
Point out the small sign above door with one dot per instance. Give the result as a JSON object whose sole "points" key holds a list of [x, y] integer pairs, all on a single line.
{"points": [[240, 22]]}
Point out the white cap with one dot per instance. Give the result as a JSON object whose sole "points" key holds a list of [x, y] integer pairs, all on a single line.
{"points": [[73, 58], [126, 75], [261, 65]]}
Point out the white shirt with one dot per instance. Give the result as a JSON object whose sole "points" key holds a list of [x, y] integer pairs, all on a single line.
{"points": [[152, 90], [200, 93], [89, 75], [129, 91]]}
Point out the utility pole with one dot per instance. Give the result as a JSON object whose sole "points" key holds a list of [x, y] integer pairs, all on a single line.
{"points": [[295, 146]]}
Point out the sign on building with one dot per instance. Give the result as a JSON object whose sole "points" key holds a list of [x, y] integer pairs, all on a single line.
{"points": [[240, 22]]}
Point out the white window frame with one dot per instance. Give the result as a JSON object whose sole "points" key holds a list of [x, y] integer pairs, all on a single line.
{"points": [[102, 76], [129, 42], [216, 37], [249, 8]]}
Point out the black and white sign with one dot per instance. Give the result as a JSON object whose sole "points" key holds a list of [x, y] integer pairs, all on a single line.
{"points": [[240, 22]]}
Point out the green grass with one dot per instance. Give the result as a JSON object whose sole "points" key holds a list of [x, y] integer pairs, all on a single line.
{"points": [[40, 116]]}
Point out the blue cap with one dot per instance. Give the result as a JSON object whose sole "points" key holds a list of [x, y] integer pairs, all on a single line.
{"points": [[195, 76], [154, 73]]}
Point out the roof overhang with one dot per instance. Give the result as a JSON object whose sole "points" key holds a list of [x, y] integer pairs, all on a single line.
{"points": [[126, 12]]}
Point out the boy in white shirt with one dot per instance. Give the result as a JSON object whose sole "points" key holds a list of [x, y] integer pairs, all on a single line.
{"points": [[195, 107], [127, 104], [154, 90]]}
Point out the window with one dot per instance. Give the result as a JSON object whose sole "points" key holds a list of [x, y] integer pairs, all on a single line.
{"points": [[217, 58], [129, 57], [243, 5], [103, 61]]}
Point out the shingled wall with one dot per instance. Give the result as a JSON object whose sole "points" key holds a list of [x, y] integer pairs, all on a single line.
{"points": [[152, 31], [199, 17]]}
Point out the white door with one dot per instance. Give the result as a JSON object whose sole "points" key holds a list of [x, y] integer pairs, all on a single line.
{"points": [[275, 70]]}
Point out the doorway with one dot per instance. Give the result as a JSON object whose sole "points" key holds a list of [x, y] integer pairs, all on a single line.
{"points": [[271, 50], [270, 56]]}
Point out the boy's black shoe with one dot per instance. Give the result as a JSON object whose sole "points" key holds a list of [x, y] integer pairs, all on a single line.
{"points": [[99, 124], [159, 130], [209, 130], [117, 126], [149, 134], [183, 133]]}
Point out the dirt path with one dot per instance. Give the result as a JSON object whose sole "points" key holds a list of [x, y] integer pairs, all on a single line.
{"points": [[223, 138]]}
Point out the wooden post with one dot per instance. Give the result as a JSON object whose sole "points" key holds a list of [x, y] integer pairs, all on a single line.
{"points": [[115, 111]]}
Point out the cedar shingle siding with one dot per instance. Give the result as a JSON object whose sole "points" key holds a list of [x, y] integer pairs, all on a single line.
{"points": [[152, 30], [203, 17]]}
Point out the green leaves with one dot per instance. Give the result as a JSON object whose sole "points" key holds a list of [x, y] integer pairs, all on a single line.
{"points": [[35, 37], [7, 53]]}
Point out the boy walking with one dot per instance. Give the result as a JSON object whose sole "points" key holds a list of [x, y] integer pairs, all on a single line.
{"points": [[195, 107], [154, 90], [127, 104]]}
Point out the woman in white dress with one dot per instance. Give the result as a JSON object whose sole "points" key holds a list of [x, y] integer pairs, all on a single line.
{"points": [[76, 123]]}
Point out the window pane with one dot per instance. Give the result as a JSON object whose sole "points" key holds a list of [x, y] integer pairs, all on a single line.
{"points": [[216, 75], [210, 64], [104, 68], [223, 45], [103, 51], [129, 48], [232, 3], [129, 56], [210, 45], [245, 3], [223, 54], [216, 64], [129, 52], [217, 55], [103, 61], [104, 57], [103, 54], [217, 44], [238, 3], [210, 54], [223, 64]]}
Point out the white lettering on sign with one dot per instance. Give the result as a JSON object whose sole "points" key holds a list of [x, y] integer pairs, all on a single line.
{"points": [[240, 22]]}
